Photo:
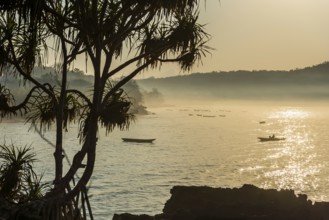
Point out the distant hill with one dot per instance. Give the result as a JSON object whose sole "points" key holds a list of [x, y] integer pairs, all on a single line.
{"points": [[308, 83], [76, 80]]}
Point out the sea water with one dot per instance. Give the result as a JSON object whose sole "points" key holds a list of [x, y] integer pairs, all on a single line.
{"points": [[211, 144]]}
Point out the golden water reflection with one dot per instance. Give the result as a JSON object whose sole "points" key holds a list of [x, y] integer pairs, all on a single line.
{"points": [[290, 113], [290, 163]]}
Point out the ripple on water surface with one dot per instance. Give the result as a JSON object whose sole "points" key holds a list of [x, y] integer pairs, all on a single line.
{"points": [[194, 150]]}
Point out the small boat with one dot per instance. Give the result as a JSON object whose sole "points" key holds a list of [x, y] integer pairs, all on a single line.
{"points": [[138, 140], [262, 122], [262, 139]]}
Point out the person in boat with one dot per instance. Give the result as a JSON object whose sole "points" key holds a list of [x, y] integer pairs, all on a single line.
{"points": [[271, 137]]}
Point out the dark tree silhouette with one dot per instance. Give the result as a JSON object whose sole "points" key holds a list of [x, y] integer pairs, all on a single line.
{"points": [[147, 33]]}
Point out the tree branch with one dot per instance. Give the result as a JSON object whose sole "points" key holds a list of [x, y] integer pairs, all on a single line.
{"points": [[25, 75], [122, 66], [125, 80], [80, 94], [23, 105]]}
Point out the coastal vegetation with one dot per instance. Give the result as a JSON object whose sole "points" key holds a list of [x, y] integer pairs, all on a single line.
{"points": [[147, 34]]}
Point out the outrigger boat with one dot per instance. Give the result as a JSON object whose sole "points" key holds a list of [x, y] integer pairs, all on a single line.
{"points": [[137, 140]]}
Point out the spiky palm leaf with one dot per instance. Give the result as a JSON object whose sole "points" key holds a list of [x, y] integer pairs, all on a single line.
{"points": [[115, 112], [43, 111], [33, 188], [15, 166], [6, 99], [22, 34], [72, 109]]}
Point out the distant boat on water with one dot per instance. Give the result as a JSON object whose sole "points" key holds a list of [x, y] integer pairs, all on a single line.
{"points": [[263, 139], [138, 140], [262, 122]]}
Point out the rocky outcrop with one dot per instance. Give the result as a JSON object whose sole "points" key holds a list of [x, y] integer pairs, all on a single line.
{"points": [[247, 203]]}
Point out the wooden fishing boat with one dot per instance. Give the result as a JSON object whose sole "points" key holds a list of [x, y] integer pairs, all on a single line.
{"points": [[138, 140], [270, 139]]}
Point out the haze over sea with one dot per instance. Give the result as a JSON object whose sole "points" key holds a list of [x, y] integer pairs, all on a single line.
{"points": [[190, 149]]}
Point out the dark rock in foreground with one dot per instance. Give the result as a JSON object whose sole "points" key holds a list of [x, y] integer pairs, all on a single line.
{"points": [[247, 203]]}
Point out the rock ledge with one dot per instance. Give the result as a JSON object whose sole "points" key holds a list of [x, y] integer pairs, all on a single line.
{"points": [[248, 203]]}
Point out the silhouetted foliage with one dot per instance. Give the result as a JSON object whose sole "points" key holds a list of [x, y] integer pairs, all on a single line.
{"points": [[148, 33], [18, 181]]}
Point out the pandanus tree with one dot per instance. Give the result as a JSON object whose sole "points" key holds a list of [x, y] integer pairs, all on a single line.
{"points": [[116, 37]]}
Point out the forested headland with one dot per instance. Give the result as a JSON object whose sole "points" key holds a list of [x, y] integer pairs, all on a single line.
{"points": [[306, 84]]}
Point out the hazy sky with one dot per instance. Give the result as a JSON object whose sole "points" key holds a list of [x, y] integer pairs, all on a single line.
{"points": [[262, 34], [258, 35]]}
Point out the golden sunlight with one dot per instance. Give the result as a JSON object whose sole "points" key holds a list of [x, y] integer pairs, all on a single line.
{"points": [[291, 162], [291, 113]]}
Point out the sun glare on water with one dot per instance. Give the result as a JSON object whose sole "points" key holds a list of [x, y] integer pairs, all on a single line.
{"points": [[291, 113], [290, 163]]}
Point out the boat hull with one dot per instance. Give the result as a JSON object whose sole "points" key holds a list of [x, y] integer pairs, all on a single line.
{"points": [[137, 140], [263, 139]]}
